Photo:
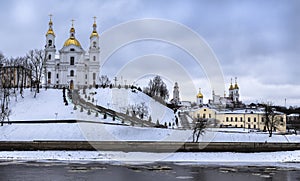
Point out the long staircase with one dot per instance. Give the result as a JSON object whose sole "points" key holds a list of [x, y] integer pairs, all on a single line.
{"points": [[184, 120], [75, 97]]}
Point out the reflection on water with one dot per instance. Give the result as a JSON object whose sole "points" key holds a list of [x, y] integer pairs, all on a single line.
{"points": [[162, 171]]}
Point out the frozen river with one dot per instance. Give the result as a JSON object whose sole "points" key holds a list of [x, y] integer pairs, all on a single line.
{"points": [[163, 171]]}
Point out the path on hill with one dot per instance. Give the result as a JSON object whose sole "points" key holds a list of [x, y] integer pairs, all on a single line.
{"points": [[184, 120], [121, 116]]}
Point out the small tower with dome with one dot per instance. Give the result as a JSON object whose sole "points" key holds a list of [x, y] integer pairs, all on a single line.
{"points": [[199, 98]]}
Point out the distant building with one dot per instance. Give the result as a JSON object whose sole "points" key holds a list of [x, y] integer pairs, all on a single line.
{"points": [[73, 67], [242, 118], [15, 76], [232, 101]]}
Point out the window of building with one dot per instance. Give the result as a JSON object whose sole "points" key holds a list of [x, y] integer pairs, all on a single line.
{"points": [[236, 119], [249, 126], [57, 76], [94, 58], [85, 76], [209, 115], [49, 75], [254, 126], [49, 43], [198, 115], [241, 126], [49, 56], [72, 73], [94, 76], [226, 119], [231, 119], [72, 49], [254, 119], [72, 60], [262, 119], [94, 44], [204, 109], [249, 119], [241, 119], [204, 115]]}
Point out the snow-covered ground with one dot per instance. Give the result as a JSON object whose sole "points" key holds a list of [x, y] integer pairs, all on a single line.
{"points": [[48, 105], [282, 159], [103, 132], [122, 99]]}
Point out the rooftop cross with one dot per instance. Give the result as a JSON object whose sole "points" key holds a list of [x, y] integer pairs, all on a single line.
{"points": [[72, 22]]}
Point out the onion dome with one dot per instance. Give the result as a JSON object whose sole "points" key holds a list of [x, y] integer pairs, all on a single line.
{"points": [[236, 85], [94, 33], [50, 30], [231, 86], [199, 95], [72, 40]]}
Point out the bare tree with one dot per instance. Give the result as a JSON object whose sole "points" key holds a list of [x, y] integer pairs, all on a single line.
{"points": [[5, 86], [157, 88], [199, 129], [37, 62], [104, 81], [271, 118]]}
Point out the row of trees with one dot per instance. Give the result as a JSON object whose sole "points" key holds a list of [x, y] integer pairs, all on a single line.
{"points": [[19, 73]]}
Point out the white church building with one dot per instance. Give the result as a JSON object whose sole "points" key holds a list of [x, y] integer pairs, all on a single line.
{"points": [[73, 67]]}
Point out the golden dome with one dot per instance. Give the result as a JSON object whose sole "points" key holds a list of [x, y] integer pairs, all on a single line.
{"points": [[50, 31], [94, 33], [199, 95], [231, 87], [72, 41], [236, 86]]}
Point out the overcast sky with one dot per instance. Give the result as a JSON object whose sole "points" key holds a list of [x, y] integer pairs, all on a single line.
{"points": [[256, 41]]}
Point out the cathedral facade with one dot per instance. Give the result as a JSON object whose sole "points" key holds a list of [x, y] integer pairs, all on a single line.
{"points": [[72, 67]]}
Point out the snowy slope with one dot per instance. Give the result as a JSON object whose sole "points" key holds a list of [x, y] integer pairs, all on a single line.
{"points": [[121, 99], [48, 105]]}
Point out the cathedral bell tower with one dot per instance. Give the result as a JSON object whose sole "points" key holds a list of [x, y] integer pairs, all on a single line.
{"points": [[94, 56], [50, 51], [50, 42]]}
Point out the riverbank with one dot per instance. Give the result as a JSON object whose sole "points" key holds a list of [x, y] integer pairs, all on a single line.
{"points": [[283, 158]]}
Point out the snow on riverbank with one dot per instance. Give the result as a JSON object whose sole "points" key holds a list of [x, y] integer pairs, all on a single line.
{"points": [[103, 132], [290, 158]]}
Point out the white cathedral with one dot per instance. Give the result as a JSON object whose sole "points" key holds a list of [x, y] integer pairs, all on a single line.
{"points": [[74, 67]]}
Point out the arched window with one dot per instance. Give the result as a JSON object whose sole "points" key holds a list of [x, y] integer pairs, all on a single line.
{"points": [[49, 56], [94, 58], [94, 76], [71, 60], [94, 44], [72, 73], [49, 43], [49, 75]]}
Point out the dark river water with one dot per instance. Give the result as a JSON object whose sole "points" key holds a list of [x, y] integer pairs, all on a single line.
{"points": [[158, 172]]}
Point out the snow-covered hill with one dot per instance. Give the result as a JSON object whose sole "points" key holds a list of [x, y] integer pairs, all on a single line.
{"points": [[48, 105], [123, 99]]}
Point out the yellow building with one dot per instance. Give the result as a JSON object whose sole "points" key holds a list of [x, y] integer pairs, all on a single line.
{"points": [[245, 118]]}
